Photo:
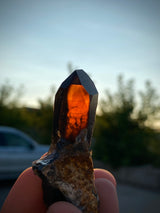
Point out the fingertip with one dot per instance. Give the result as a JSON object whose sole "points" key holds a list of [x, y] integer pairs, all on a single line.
{"points": [[62, 207], [102, 173], [107, 195], [26, 195]]}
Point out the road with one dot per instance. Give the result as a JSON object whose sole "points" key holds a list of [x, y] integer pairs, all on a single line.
{"points": [[137, 200], [131, 199]]}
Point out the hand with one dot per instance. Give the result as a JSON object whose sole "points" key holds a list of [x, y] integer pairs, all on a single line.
{"points": [[26, 195]]}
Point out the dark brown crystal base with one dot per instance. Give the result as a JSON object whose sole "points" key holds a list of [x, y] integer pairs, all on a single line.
{"points": [[67, 174]]}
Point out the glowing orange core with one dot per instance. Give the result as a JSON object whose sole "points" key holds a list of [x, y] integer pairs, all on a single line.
{"points": [[78, 108]]}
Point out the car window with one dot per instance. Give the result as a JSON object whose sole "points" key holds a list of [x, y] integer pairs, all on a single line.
{"points": [[11, 139], [2, 140]]}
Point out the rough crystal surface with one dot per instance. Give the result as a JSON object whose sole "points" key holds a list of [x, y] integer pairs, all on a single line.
{"points": [[67, 169]]}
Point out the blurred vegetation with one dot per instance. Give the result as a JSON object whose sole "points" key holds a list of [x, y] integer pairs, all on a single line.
{"points": [[124, 133], [35, 122]]}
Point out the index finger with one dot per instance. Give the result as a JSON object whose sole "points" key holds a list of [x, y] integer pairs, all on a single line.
{"points": [[26, 195], [108, 200]]}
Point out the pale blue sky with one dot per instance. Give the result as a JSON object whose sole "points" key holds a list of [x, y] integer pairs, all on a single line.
{"points": [[105, 38]]}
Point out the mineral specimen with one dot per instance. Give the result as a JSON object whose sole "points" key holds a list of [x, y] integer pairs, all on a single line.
{"points": [[67, 169]]}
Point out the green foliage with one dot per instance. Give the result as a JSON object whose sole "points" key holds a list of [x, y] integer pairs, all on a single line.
{"points": [[121, 141], [123, 99], [9, 96], [35, 122], [44, 118], [122, 138], [9, 100], [150, 105]]}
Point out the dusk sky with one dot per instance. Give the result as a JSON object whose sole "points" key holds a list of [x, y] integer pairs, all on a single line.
{"points": [[38, 38]]}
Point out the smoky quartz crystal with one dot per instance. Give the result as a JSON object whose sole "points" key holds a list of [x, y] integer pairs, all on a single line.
{"points": [[67, 169]]}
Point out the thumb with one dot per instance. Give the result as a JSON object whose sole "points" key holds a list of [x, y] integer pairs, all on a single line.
{"points": [[63, 207]]}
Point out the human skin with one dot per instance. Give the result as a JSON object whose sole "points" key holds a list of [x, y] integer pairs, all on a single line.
{"points": [[26, 195]]}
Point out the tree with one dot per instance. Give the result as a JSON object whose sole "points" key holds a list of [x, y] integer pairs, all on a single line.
{"points": [[35, 122], [122, 100], [39, 120], [9, 105], [149, 110], [70, 67], [10, 96], [121, 139]]}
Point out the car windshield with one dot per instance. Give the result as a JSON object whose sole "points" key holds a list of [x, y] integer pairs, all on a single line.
{"points": [[11, 139]]}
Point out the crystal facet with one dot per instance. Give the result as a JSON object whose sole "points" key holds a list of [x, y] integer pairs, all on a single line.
{"points": [[67, 169]]}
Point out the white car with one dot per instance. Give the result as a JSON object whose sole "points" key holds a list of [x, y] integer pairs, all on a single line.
{"points": [[17, 151]]}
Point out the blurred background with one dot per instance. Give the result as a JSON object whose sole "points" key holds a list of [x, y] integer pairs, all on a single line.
{"points": [[117, 43]]}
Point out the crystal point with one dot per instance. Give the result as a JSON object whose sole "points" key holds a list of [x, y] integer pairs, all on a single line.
{"points": [[67, 169]]}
